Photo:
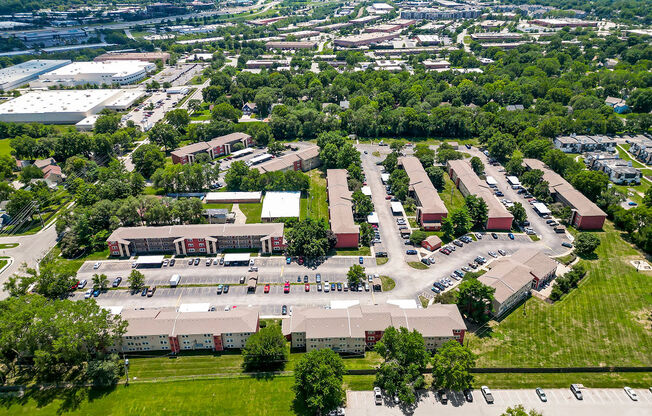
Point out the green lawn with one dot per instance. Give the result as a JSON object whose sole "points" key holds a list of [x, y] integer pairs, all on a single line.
{"points": [[557, 380], [219, 206], [417, 265], [361, 251], [451, 196], [623, 155], [8, 245], [240, 396], [5, 148], [387, 283], [314, 205], [605, 321], [252, 212]]}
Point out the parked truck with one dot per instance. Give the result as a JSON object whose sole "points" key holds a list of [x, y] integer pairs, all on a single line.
{"points": [[174, 280]]}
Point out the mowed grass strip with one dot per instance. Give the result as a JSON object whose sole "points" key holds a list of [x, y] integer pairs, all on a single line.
{"points": [[451, 196], [315, 204], [235, 396], [603, 322]]}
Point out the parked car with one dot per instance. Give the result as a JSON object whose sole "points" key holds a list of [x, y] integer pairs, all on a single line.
{"points": [[443, 398], [305, 279], [189, 262], [576, 389], [172, 261], [435, 289], [541, 394], [333, 287], [150, 291], [143, 292], [225, 289], [197, 261], [327, 287], [318, 278], [487, 394], [458, 243], [502, 252], [88, 293], [288, 260], [511, 236], [411, 252], [266, 289], [286, 287], [631, 393], [220, 288], [378, 396], [307, 287], [284, 310], [82, 284], [494, 235], [566, 244], [467, 395], [97, 265], [318, 287], [208, 262], [117, 281], [221, 261], [493, 254]]}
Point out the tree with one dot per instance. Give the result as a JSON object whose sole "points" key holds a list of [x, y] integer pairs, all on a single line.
{"points": [[51, 280], [164, 135], [590, 182], [18, 201], [404, 358], [318, 378], [366, 234], [107, 123], [586, 243], [641, 100], [519, 410], [461, 221], [477, 165], [362, 204], [226, 111], [235, 175], [417, 237], [178, 118], [100, 281], [265, 350], [425, 154], [30, 172], [136, 280], [147, 158], [307, 238], [275, 148], [390, 162], [57, 337], [436, 175], [451, 367], [399, 182], [478, 210], [356, 274], [517, 210], [474, 299]]}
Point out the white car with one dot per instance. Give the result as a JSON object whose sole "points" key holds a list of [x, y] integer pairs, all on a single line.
{"points": [[378, 395], [631, 393], [88, 293], [96, 265], [82, 284]]}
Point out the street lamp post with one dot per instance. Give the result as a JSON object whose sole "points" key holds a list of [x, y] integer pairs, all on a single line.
{"points": [[127, 371]]}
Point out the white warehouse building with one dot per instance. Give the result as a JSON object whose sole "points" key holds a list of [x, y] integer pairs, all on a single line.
{"points": [[96, 73], [21, 74], [65, 106]]}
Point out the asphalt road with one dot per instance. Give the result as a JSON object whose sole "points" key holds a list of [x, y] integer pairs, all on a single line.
{"points": [[597, 402]]}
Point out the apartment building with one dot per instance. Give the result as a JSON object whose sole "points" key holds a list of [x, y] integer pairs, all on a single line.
{"points": [[469, 183], [303, 160], [513, 277], [440, 13], [581, 144], [620, 172], [170, 330], [559, 23], [357, 328], [640, 147], [219, 146], [340, 209], [430, 208], [585, 215], [194, 239], [364, 39], [496, 36]]}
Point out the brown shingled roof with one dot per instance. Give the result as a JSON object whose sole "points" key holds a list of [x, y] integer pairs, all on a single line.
{"points": [[340, 206], [425, 191]]}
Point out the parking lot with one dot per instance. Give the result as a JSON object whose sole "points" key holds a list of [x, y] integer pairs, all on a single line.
{"points": [[145, 118], [597, 402], [179, 74]]}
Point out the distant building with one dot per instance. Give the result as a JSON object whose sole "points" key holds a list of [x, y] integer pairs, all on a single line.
{"points": [[618, 104], [219, 146], [440, 13], [559, 23], [363, 39], [581, 143], [96, 73], [249, 109], [303, 160], [21, 74], [620, 172], [288, 45], [641, 148], [134, 56]]}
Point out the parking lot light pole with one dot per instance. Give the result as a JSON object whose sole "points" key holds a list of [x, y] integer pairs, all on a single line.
{"points": [[127, 371]]}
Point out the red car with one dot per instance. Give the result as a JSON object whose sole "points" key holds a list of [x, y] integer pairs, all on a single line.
{"points": [[300, 261], [75, 286], [307, 285], [388, 197], [286, 288], [266, 290]]}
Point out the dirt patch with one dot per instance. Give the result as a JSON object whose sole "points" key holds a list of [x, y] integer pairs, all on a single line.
{"points": [[644, 317]]}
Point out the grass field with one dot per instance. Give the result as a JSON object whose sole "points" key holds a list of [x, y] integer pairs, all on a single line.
{"points": [[603, 322], [625, 156], [315, 205], [417, 265], [8, 245], [451, 196], [387, 283], [5, 148], [218, 206], [252, 211], [361, 251]]}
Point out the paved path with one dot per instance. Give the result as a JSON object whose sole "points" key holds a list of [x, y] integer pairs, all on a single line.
{"points": [[597, 402], [240, 218]]}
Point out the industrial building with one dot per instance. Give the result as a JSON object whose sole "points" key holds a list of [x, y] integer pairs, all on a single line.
{"points": [[363, 39], [357, 328], [65, 106], [430, 208], [219, 146], [134, 56], [440, 13], [96, 73], [195, 239], [304, 160], [585, 214], [559, 23], [175, 331], [21, 74], [277, 205], [513, 277], [287, 45], [462, 174], [340, 209]]}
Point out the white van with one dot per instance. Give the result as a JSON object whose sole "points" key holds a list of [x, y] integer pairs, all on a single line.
{"points": [[174, 280]]}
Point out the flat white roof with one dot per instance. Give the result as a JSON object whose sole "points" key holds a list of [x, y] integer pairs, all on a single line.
{"points": [[242, 152], [384, 177], [281, 205], [513, 180], [226, 196], [491, 181], [29, 70], [194, 307], [403, 303], [237, 257], [149, 259], [114, 68], [260, 158], [366, 190], [541, 208], [58, 101], [372, 218], [396, 206]]}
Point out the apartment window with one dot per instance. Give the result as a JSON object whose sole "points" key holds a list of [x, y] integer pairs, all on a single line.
{"points": [[191, 250]]}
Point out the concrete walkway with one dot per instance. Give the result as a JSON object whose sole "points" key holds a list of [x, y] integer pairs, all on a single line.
{"points": [[240, 218]]}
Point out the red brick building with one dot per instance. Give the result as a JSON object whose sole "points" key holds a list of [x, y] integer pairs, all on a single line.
{"points": [[219, 146], [195, 239]]}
